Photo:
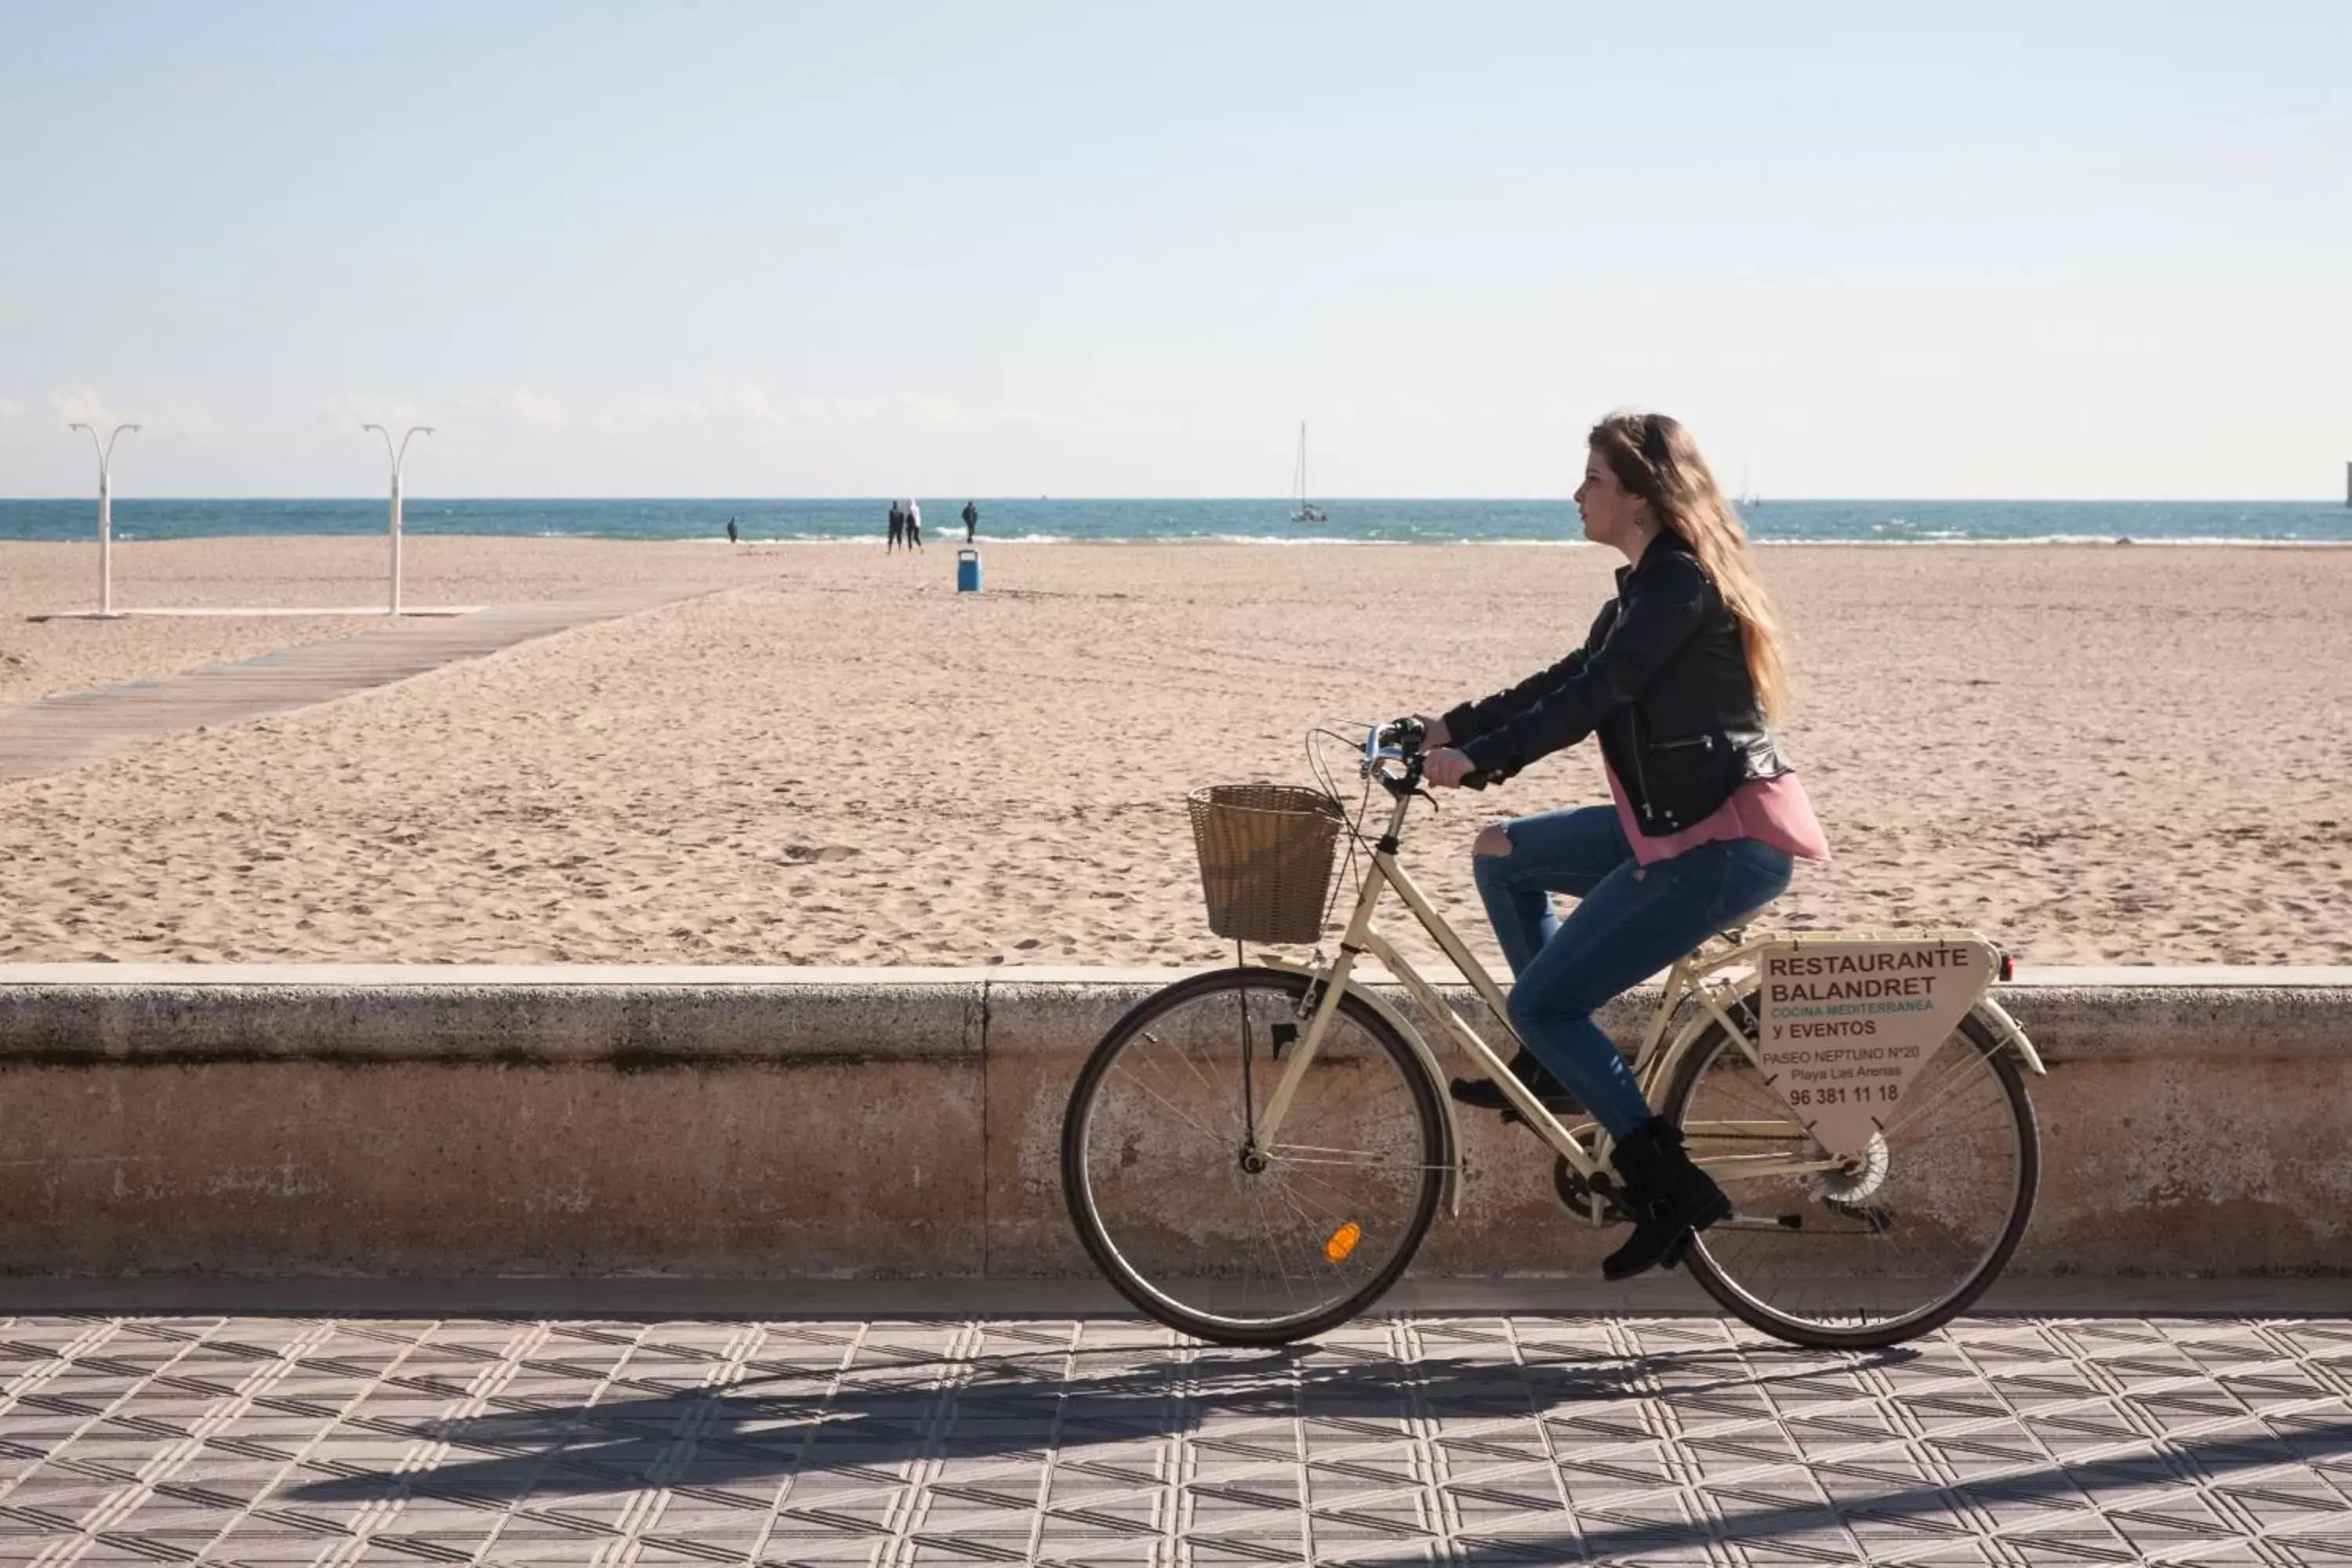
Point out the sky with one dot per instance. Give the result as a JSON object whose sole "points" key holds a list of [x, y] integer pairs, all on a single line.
{"points": [[775, 249]]}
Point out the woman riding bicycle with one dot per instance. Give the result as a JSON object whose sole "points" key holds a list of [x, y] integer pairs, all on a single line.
{"points": [[1680, 677]]}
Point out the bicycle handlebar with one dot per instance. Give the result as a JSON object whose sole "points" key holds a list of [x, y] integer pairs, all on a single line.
{"points": [[1393, 754]]}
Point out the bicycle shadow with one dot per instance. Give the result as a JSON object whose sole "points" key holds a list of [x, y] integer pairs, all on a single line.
{"points": [[1940, 1514], [888, 1414]]}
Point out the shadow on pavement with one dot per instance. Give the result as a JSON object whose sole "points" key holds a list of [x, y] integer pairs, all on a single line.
{"points": [[888, 1414], [1944, 1512]]}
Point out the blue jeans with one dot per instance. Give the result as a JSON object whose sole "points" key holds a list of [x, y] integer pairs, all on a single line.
{"points": [[1630, 921]]}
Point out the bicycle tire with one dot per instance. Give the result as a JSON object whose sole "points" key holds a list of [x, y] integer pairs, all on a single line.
{"points": [[1424, 1156], [1709, 1254]]}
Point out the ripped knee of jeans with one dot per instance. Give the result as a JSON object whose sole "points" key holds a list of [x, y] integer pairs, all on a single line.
{"points": [[1493, 839]]}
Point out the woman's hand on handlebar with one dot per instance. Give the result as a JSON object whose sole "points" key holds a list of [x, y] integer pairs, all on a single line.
{"points": [[1432, 731], [1445, 767]]}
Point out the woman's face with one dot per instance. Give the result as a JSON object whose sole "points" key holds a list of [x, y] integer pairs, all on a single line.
{"points": [[1612, 515]]}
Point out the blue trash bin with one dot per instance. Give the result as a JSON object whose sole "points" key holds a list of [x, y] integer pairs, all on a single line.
{"points": [[966, 570]]}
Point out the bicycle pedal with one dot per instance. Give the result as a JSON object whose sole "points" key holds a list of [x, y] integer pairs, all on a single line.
{"points": [[1576, 1195]]}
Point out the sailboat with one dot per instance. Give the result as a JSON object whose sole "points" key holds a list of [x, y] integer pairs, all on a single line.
{"points": [[1748, 496], [1301, 509]]}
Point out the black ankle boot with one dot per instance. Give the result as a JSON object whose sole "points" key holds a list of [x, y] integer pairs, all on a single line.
{"points": [[1486, 1094], [1669, 1197]]}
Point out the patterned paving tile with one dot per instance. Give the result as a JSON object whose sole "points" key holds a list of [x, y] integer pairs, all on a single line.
{"points": [[1458, 1440]]}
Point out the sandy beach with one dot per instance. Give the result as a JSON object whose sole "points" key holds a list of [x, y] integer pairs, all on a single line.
{"points": [[2093, 753]]}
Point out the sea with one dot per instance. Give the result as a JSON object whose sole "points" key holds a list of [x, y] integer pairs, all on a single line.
{"points": [[1060, 520]]}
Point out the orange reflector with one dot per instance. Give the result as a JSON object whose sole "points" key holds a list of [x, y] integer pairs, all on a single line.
{"points": [[1343, 1242]]}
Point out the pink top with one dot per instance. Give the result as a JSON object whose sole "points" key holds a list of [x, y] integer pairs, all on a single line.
{"points": [[1772, 811]]}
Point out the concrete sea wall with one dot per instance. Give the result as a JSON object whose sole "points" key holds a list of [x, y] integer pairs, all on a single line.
{"points": [[777, 1123]]}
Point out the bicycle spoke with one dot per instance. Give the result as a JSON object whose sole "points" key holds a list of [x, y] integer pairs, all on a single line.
{"points": [[1291, 1154], [1314, 1223], [1912, 1109], [1176, 1111], [1344, 1194], [1274, 1249], [1186, 1058]]}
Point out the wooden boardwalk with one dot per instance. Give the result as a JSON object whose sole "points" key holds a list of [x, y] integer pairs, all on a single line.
{"points": [[57, 733]]}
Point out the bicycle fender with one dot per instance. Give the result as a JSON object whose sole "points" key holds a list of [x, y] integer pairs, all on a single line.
{"points": [[1428, 1059], [2006, 1030]]}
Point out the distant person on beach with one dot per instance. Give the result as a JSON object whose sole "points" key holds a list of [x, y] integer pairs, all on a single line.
{"points": [[897, 527], [914, 525], [971, 521], [1680, 678], [732, 535]]}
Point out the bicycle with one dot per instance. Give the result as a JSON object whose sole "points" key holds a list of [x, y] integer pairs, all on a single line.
{"points": [[1252, 1155]]}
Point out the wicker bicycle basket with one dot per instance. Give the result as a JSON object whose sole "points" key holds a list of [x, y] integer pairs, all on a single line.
{"points": [[1265, 859]]}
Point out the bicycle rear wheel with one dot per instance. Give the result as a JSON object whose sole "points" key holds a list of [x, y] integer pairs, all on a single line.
{"points": [[1891, 1247], [1230, 1243]]}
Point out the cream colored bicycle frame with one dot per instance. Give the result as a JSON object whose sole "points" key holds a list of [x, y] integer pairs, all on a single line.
{"points": [[1710, 980]]}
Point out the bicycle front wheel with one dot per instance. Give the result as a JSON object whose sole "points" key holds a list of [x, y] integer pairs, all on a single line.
{"points": [[1219, 1238], [1900, 1242]]}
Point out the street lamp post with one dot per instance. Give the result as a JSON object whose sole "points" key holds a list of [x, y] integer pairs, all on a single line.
{"points": [[105, 512], [396, 455]]}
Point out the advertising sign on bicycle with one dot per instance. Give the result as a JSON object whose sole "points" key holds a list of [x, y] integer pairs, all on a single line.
{"points": [[1848, 1023]]}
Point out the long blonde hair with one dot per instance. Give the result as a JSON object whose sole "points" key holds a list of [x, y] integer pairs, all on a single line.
{"points": [[1654, 457]]}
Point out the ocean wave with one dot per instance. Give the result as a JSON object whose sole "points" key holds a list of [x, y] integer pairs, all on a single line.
{"points": [[1291, 538], [1521, 543]]}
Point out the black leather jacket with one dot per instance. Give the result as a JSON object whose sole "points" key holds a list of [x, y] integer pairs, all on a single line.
{"points": [[1663, 676]]}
